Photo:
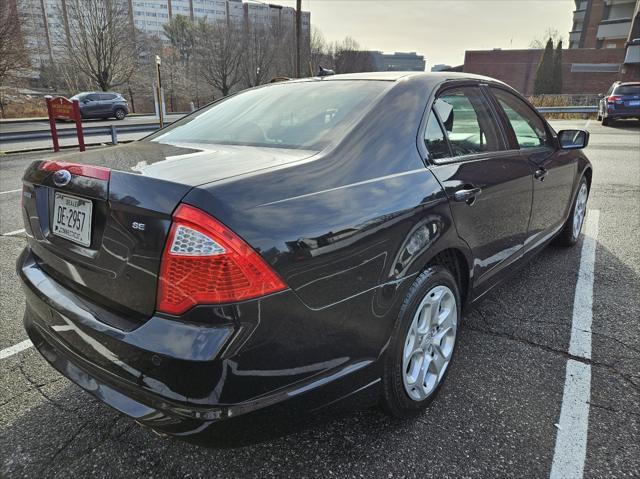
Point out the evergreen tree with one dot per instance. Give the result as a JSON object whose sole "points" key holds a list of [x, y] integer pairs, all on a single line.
{"points": [[544, 76], [557, 69]]}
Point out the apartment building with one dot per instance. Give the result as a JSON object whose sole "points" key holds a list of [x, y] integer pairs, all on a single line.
{"points": [[44, 23], [602, 23]]}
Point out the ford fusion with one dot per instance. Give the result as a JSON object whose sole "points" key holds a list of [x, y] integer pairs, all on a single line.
{"points": [[298, 245]]}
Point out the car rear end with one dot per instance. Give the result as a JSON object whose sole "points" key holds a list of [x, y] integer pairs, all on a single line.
{"points": [[624, 102], [140, 294], [120, 103], [90, 273]]}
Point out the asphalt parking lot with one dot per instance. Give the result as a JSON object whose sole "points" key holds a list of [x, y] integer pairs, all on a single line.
{"points": [[498, 414]]}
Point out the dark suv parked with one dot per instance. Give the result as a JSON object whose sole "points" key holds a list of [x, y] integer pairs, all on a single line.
{"points": [[102, 105], [621, 101]]}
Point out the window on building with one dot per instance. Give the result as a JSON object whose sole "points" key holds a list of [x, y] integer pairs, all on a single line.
{"points": [[528, 128], [469, 124]]}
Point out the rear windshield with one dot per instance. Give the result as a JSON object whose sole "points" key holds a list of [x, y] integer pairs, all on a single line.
{"points": [[628, 90], [305, 115]]}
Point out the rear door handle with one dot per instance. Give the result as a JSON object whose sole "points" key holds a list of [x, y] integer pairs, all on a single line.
{"points": [[540, 174], [467, 194]]}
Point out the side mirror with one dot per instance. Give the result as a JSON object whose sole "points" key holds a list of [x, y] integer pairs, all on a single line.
{"points": [[573, 139]]}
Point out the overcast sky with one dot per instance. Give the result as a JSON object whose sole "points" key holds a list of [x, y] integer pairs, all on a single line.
{"points": [[441, 30]]}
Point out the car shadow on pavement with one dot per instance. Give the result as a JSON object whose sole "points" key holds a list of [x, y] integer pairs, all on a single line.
{"points": [[628, 125], [494, 416]]}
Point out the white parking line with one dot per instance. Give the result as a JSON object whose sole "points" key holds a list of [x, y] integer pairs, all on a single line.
{"points": [[571, 441], [13, 233], [10, 191], [15, 349]]}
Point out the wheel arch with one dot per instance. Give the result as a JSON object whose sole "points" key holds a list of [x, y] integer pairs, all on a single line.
{"points": [[588, 174], [457, 263]]}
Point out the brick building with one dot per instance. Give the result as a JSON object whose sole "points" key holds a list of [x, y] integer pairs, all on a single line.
{"points": [[603, 48], [602, 23]]}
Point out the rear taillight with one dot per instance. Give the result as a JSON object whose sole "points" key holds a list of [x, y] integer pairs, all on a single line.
{"points": [[204, 262], [614, 99], [90, 171]]}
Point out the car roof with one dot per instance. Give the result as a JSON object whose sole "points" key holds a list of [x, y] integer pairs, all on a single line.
{"points": [[627, 83], [395, 76]]}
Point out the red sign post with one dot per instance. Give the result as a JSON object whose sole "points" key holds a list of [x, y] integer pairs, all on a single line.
{"points": [[64, 109]]}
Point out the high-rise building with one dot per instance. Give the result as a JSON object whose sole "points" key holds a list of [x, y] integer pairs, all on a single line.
{"points": [[45, 23], [603, 23]]}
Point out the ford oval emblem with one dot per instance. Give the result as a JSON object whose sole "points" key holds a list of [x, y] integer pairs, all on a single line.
{"points": [[61, 178]]}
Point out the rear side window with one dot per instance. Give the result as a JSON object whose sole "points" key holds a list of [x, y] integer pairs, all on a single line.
{"points": [[468, 122], [434, 139], [107, 96], [527, 126], [627, 90]]}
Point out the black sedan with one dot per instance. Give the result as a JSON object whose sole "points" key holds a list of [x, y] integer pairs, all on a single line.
{"points": [[292, 247]]}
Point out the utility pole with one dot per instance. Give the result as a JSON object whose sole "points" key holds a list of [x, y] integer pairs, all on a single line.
{"points": [[298, 24], [159, 91]]}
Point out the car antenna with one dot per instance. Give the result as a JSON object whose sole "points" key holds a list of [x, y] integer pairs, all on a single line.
{"points": [[323, 72]]}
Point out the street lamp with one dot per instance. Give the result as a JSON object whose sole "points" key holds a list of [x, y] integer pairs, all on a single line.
{"points": [[159, 93]]}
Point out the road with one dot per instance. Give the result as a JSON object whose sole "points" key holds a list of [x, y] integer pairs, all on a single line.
{"points": [[498, 415], [9, 126]]}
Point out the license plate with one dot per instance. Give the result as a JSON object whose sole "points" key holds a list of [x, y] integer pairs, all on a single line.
{"points": [[634, 103], [72, 218]]}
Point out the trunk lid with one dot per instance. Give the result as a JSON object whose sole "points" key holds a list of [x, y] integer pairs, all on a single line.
{"points": [[127, 209]]}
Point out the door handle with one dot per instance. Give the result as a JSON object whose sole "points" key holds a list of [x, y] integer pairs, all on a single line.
{"points": [[468, 195], [540, 173]]}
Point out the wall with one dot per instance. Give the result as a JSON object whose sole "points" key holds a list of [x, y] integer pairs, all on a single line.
{"points": [[518, 68]]}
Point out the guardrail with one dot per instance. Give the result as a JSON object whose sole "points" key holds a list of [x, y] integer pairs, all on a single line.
{"points": [[568, 109], [114, 130]]}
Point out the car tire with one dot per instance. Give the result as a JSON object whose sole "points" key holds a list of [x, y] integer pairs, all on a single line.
{"points": [[120, 114], [409, 382], [570, 232]]}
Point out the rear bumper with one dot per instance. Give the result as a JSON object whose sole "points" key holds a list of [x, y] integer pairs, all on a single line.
{"points": [[635, 113], [176, 377]]}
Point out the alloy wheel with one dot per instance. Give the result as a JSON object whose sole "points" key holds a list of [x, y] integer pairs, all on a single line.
{"points": [[429, 343], [580, 209]]}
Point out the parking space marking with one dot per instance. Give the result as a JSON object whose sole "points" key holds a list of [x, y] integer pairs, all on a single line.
{"points": [[580, 344], [15, 349], [10, 191], [13, 233], [571, 441]]}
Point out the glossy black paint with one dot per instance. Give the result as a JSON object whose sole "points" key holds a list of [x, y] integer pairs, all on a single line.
{"points": [[347, 228]]}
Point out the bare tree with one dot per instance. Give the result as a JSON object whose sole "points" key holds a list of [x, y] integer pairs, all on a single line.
{"points": [[13, 56], [100, 43], [321, 54], [350, 58], [219, 52], [550, 33], [258, 56], [181, 34]]}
